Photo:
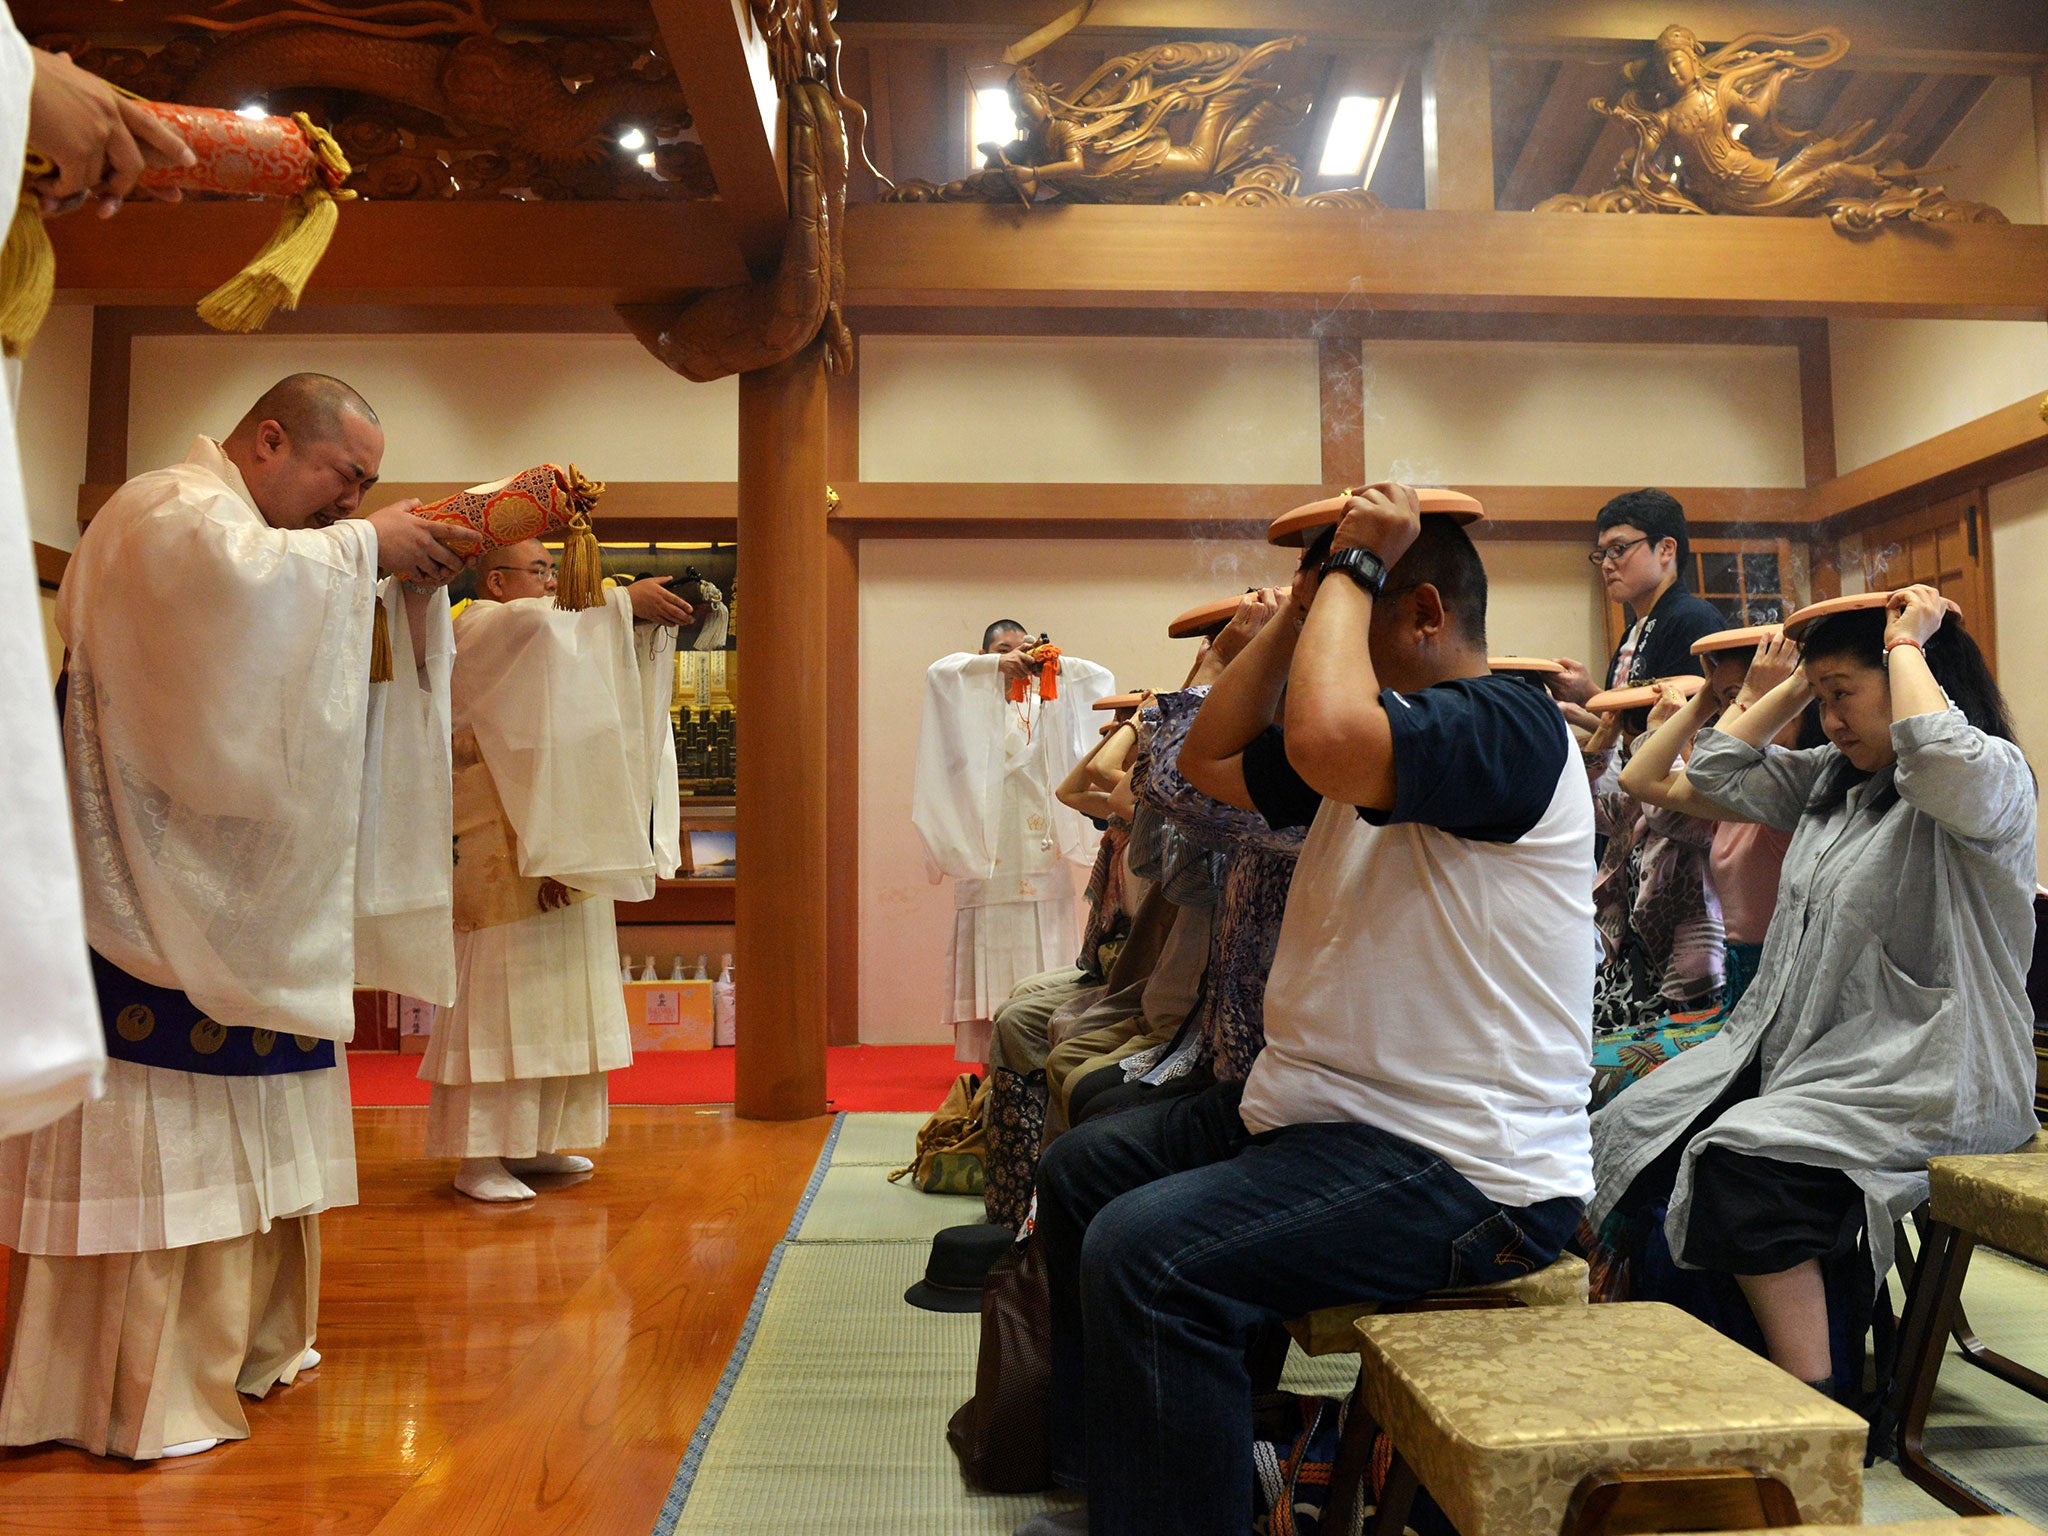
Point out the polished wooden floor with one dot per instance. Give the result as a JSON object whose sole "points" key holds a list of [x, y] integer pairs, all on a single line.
{"points": [[521, 1369]]}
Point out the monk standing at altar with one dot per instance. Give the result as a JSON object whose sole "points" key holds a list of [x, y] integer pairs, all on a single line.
{"points": [[218, 616], [1002, 730], [565, 802]]}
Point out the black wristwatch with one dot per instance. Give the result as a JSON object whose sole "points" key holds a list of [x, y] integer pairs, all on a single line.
{"points": [[1362, 566]]}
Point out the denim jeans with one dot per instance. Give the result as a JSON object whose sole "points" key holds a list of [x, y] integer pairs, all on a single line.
{"points": [[1173, 1235]]}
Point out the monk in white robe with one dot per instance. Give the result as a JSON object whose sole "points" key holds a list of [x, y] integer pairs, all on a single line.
{"points": [[983, 802], [51, 1058], [565, 802], [218, 619]]}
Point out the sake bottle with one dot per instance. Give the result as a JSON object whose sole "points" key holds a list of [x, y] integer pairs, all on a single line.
{"points": [[722, 1024], [648, 971], [675, 970], [702, 974]]}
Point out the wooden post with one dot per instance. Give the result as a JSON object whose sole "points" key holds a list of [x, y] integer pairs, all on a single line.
{"points": [[1457, 124], [780, 906]]}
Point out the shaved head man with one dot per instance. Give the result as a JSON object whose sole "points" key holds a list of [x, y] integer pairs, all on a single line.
{"points": [[513, 571]]}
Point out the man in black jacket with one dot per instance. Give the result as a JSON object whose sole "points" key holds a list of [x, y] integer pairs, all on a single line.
{"points": [[1642, 553]]}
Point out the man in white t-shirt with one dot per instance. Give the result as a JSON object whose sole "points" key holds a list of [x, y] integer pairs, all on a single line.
{"points": [[1417, 1119]]}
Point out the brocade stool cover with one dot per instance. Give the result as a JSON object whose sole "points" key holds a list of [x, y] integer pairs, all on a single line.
{"points": [[2001, 1200], [1501, 1412], [1951, 1525], [1334, 1330]]}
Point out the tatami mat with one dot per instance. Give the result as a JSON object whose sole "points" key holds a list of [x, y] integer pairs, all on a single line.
{"points": [[835, 1422]]}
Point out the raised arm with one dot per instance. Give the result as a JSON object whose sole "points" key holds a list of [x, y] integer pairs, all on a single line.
{"points": [[1654, 775], [1243, 701]]}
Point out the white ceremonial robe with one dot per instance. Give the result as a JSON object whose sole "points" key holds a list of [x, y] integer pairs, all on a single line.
{"points": [[216, 736], [51, 1057], [570, 715], [983, 803]]}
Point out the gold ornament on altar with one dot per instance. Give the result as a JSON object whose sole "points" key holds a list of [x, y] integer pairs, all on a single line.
{"points": [[1708, 139], [1197, 123]]}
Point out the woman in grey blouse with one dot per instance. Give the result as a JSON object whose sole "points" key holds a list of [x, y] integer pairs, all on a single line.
{"points": [[1889, 1021]]}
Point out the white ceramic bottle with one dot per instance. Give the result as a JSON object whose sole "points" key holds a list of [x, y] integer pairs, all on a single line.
{"points": [[722, 1006]]}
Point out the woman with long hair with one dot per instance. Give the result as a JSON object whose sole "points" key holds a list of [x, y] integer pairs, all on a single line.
{"points": [[1888, 1022]]}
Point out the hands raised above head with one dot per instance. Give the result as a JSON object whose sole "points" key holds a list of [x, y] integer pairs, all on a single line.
{"points": [[1385, 519], [1913, 615], [1255, 610], [654, 603], [1776, 660], [421, 550], [1574, 685], [100, 140]]}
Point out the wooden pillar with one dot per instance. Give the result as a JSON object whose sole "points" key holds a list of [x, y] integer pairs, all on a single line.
{"points": [[1340, 374], [1457, 124], [843, 687], [780, 907]]}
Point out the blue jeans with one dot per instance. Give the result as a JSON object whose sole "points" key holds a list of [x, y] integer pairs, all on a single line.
{"points": [[1173, 1236]]}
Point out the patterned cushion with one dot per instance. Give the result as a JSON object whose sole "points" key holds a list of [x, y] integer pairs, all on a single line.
{"points": [[2001, 1201], [1334, 1330], [1502, 1412]]}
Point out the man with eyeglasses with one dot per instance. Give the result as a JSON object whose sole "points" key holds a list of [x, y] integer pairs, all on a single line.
{"points": [[565, 802], [1642, 554]]}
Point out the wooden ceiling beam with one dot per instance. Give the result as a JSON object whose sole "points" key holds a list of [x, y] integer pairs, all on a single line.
{"points": [[1311, 325], [1560, 136], [1985, 36], [1323, 260], [455, 252], [721, 61]]}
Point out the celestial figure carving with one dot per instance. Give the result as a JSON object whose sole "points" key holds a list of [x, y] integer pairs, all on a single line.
{"points": [[1180, 122], [1708, 140]]}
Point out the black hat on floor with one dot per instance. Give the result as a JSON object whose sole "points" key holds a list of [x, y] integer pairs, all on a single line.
{"points": [[961, 1258]]}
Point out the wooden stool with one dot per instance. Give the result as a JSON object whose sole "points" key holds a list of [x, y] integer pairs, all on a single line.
{"points": [[1334, 1331], [1998, 1201], [1502, 1414]]}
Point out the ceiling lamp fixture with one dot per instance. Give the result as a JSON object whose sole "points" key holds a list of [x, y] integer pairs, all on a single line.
{"points": [[254, 111], [995, 121], [1354, 129], [632, 140]]}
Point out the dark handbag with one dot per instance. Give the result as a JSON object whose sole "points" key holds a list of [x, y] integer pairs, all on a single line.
{"points": [[999, 1434]]}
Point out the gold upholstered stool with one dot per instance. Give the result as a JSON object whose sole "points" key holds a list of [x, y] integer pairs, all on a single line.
{"points": [[1501, 1414], [2000, 1202], [1997, 1525]]}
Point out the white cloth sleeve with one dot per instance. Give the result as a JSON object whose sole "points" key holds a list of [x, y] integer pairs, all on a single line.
{"points": [[958, 786]]}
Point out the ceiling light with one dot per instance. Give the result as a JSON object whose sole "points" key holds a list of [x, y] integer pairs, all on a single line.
{"points": [[1353, 128], [646, 160], [995, 121], [254, 111], [1737, 130], [632, 139]]}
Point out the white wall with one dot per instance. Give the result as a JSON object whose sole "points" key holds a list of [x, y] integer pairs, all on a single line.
{"points": [[56, 380], [2019, 544], [1107, 410], [1582, 413], [1897, 382], [468, 408]]}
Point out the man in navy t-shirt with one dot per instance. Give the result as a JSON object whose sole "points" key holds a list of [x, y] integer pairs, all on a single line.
{"points": [[1417, 1118]]}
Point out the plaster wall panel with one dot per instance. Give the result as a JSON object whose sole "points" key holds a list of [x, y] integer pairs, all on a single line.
{"points": [[54, 390], [2019, 541], [1582, 413], [469, 408], [1115, 410]]}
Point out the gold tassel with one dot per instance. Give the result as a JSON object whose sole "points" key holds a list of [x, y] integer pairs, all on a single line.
{"points": [[580, 581], [28, 278], [276, 276], [380, 645]]}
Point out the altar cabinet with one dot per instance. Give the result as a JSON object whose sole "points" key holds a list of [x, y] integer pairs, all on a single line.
{"points": [[566, 801], [1001, 731], [218, 619]]}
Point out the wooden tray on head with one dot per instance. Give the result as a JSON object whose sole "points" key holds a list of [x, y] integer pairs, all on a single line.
{"points": [[1204, 618], [1120, 701], [1535, 664], [1643, 695], [1746, 638], [1297, 529], [1827, 608]]}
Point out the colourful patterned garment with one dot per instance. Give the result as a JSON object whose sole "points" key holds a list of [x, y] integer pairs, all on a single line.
{"points": [[1624, 1056], [1108, 923], [1659, 919], [1230, 1021]]}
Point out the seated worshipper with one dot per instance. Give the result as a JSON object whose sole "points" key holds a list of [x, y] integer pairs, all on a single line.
{"points": [[1001, 728], [565, 802], [1746, 857], [1889, 1020], [218, 616], [1226, 1032], [1644, 558], [1660, 925], [1417, 1118]]}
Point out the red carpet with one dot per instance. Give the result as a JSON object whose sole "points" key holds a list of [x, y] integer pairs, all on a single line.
{"points": [[857, 1077]]}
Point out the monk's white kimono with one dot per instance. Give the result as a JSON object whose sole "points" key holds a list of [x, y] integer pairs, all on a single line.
{"points": [[216, 729], [983, 803], [50, 1052], [565, 770]]}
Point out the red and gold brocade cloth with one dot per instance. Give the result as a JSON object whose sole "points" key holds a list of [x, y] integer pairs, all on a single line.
{"points": [[529, 505], [247, 157]]}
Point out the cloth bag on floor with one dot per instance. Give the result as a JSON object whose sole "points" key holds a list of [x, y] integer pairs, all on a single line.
{"points": [[999, 1433], [950, 1146]]}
